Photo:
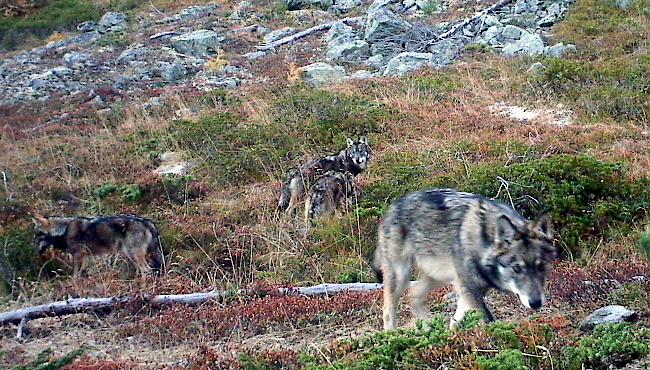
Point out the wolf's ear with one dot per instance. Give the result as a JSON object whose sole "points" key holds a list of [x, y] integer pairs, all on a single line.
{"points": [[350, 142], [543, 226], [506, 231], [40, 221]]}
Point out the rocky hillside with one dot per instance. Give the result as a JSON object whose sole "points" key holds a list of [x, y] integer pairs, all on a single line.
{"points": [[192, 113]]}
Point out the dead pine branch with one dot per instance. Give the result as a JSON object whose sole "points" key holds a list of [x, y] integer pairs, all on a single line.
{"points": [[297, 36], [84, 305], [469, 20]]}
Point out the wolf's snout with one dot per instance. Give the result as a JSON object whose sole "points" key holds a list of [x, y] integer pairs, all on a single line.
{"points": [[535, 303]]}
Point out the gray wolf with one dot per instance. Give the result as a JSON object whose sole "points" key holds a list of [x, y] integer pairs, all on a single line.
{"points": [[332, 191], [135, 237], [354, 159], [472, 242]]}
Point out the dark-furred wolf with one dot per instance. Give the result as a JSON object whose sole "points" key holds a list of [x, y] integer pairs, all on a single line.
{"points": [[332, 191], [354, 159], [472, 242], [135, 237]]}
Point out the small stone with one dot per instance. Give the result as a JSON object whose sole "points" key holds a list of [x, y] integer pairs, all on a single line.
{"points": [[255, 55], [624, 4], [607, 315], [558, 50], [172, 163], [536, 69]]}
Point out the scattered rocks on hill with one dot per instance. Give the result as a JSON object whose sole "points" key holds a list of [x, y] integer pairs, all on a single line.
{"points": [[160, 50], [607, 315]]}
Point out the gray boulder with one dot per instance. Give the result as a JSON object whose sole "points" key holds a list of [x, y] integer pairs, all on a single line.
{"points": [[340, 33], [62, 72], [198, 43], [528, 44], [550, 16], [113, 22], [348, 51], [558, 50], [172, 163], [344, 6], [321, 74], [197, 12], [362, 75], [171, 72], [382, 24], [406, 63], [278, 34], [444, 52], [607, 315], [74, 58]]}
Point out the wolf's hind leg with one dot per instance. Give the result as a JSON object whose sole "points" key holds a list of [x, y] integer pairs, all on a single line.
{"points": [[396, 277], [419, 294]]}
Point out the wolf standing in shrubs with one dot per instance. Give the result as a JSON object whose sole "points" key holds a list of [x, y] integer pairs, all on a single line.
{"points": [[83, 237], [472, 242], [354, 159]]}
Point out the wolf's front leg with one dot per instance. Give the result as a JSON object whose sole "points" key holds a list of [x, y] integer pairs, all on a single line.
{"points": [[470, 299]]}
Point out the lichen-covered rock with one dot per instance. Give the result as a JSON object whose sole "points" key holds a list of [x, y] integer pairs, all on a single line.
{"points": [[113, 22], [382, 25], [321, 74], [406, 63], [350, 51], [528, 44], [198, 43], [558, 50]]}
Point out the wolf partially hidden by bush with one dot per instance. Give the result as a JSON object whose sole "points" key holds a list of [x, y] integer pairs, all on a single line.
{"points": [[353, 160], [135, 237]]}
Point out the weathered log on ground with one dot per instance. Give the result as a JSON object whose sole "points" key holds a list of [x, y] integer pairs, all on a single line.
{"points": [[81, 305], [296, 36]]}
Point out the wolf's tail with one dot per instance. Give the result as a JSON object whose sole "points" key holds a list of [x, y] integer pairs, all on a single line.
{"points": [[285, 196], [155, 249]]}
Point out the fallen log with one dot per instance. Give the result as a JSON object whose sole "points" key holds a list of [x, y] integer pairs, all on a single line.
{"points": [[296, 36], [83, 305]]}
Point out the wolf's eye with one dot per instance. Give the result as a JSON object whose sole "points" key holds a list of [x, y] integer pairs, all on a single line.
{"points": [[516, 269]]}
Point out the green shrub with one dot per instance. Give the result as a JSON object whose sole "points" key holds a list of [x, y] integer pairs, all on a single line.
{"points": [[611, 345], [585, 194], [644, 244], [61, 15], [510, 359], [235, 152], [325, 119], [631, 295]]}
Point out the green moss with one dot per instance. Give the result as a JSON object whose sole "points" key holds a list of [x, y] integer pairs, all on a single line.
{"points": [[45, 360], [611, 345]]}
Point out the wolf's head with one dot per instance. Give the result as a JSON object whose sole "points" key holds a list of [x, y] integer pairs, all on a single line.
{"points": [[522, 256], [49, 231], [359, 152]]}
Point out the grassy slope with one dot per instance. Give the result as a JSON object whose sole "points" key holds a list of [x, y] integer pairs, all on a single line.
{"points": [[429, 130]]}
